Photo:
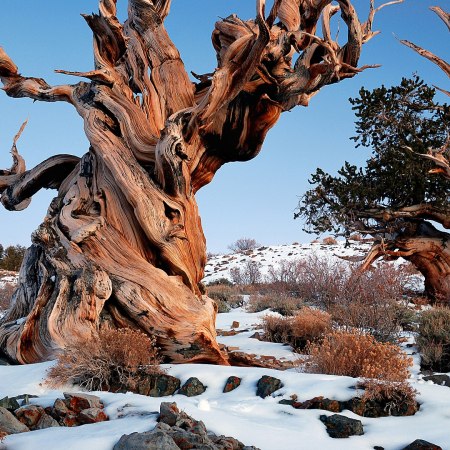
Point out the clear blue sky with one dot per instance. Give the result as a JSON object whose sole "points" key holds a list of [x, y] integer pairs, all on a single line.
{"points": [[255, 199]]}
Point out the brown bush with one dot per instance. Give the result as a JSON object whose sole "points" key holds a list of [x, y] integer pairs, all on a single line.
{"points": [[434, 339], [373, 301], [226, 297], [329, 241], [281, 303], [115, 359], [6, 292], [396, 395], [356, 354], [307, 326]]}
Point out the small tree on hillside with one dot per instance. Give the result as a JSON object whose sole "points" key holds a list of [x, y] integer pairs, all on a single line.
{"points": [[243, 244]]}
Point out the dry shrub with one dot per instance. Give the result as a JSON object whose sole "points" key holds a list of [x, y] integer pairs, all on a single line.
{"points": [[357, 354], [6, 292], [114, 360], [373, 301], [307, 326], [281, 303], [434, 339], [249, 274], [226, 297], [329, 241], [396, 395]]}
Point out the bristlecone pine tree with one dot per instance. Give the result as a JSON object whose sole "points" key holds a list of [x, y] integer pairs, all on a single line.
{"points": [[122, 243], [405, 185]]}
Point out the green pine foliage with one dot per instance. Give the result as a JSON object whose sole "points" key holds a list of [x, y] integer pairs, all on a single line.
{"points": [[398, 124]]}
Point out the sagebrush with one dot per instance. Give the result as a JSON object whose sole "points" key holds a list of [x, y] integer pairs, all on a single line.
{"points": [[308, 325], [115, 359], [434, 339], [357, 354]]}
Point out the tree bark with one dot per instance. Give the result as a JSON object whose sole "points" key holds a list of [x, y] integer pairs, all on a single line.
{"points": [[122, 244], [427, 248]]}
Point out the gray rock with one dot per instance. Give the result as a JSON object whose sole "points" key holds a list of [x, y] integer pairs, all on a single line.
{"points": [[24, 399], [192, 387], [46, 421], [441, 380], [9, 424], [169, 413], [420, 444], [151, 440], [339, 426], [158, 385], [267, 386], [11, 404]]}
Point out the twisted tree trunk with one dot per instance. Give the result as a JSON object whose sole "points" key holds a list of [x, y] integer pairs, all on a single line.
{"points": [[427, 248], [122, 244]]}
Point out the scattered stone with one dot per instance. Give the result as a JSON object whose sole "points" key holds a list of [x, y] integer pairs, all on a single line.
{"points": [[235, 324], [319, 403], [176, 430], [78, 402], [192, 387], [339, 426], [25, 398], [380, 408], [92, 415], [169, 413], [9, 424], [420, 444], [151, 440], [256, 335], [441, 380], [267, 386], [11, 404], [158, 385], [29, 415], [231, 384], [378, 447]]}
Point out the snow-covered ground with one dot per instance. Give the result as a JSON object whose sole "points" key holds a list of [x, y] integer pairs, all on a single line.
{"points": [[267, 257], [241, 414]]}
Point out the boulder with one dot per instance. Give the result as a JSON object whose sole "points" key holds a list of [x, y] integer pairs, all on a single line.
{"points": [[92, 415], [46, 421], [158, 385], [11, 404], [231, 384], [169, 413], [339, 426], [267, 386], [192, 387], [29, 415], [319, 403], [151, 440], [78, 402], [59, 409], [441, 380], [24, 399], [420, 444], [177, 430], [9, 424], [381, 408]]}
